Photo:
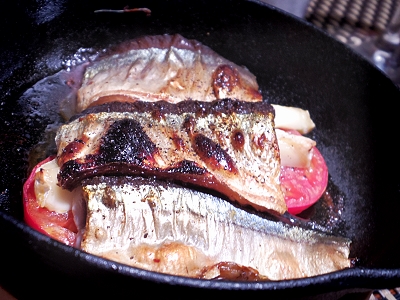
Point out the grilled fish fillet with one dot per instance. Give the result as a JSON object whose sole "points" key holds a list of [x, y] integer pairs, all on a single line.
{"points": [[164, 67], [226, 146], [162, 227]]}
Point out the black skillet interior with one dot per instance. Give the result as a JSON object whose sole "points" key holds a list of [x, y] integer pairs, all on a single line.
{"points": [[352, 103]]}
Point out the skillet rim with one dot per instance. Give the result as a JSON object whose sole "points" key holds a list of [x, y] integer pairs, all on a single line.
{"points": [[361, 272]]}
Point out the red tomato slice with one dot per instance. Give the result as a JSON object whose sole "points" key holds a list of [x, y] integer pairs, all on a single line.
{"points": [[303, 187], [60, 226]]}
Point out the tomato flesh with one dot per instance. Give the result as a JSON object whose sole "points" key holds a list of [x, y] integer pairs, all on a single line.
{"points": [[60, 226], [303, 187]]}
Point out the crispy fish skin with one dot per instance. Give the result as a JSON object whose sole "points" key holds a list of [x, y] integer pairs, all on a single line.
{"points": [[227, 146], [164, 67], [163, 227]]}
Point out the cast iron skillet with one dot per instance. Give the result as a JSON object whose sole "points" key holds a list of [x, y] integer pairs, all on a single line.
{"points": [[352, 103]]}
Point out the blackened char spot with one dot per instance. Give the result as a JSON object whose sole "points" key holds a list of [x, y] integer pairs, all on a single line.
{"points": [[67, 172], [187, 167], [189, 124], [157, 115], [237, 140], [213, 155], [74, 146], [226, 106], [224, 78], [178, 143], [69, 151], [261, 141], [125, 141]]}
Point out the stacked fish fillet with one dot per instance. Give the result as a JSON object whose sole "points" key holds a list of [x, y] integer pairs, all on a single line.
{"points": [[178, 160]]}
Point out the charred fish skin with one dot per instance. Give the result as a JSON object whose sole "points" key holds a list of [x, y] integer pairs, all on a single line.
{"points": [[227, 145], [163, 227], [164, 67]]}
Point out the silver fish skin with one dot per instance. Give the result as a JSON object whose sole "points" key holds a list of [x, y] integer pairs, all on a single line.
{"points": [[227, 146], [166, 228], [164, 67]]}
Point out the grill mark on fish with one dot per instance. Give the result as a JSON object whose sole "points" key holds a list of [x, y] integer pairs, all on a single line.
{"points": [[197, 108], [186, 232], [126, 141], [136, 143], [225, 79], [213, 155]]}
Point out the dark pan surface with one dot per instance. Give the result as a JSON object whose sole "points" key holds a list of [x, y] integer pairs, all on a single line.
{"points": [[352, 103]]}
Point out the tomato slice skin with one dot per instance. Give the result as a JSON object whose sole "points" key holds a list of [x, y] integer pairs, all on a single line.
{"points": [[60, 226], [303, 187]]}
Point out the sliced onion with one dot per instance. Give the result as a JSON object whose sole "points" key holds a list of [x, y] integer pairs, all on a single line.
{"points": [[48, 193], [287, 117], [295, 150]]}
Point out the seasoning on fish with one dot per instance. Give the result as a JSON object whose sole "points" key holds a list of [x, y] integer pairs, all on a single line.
{"points": [[147, 170], [226, 146], [163, 227], [173, 69], [164, 67]]}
